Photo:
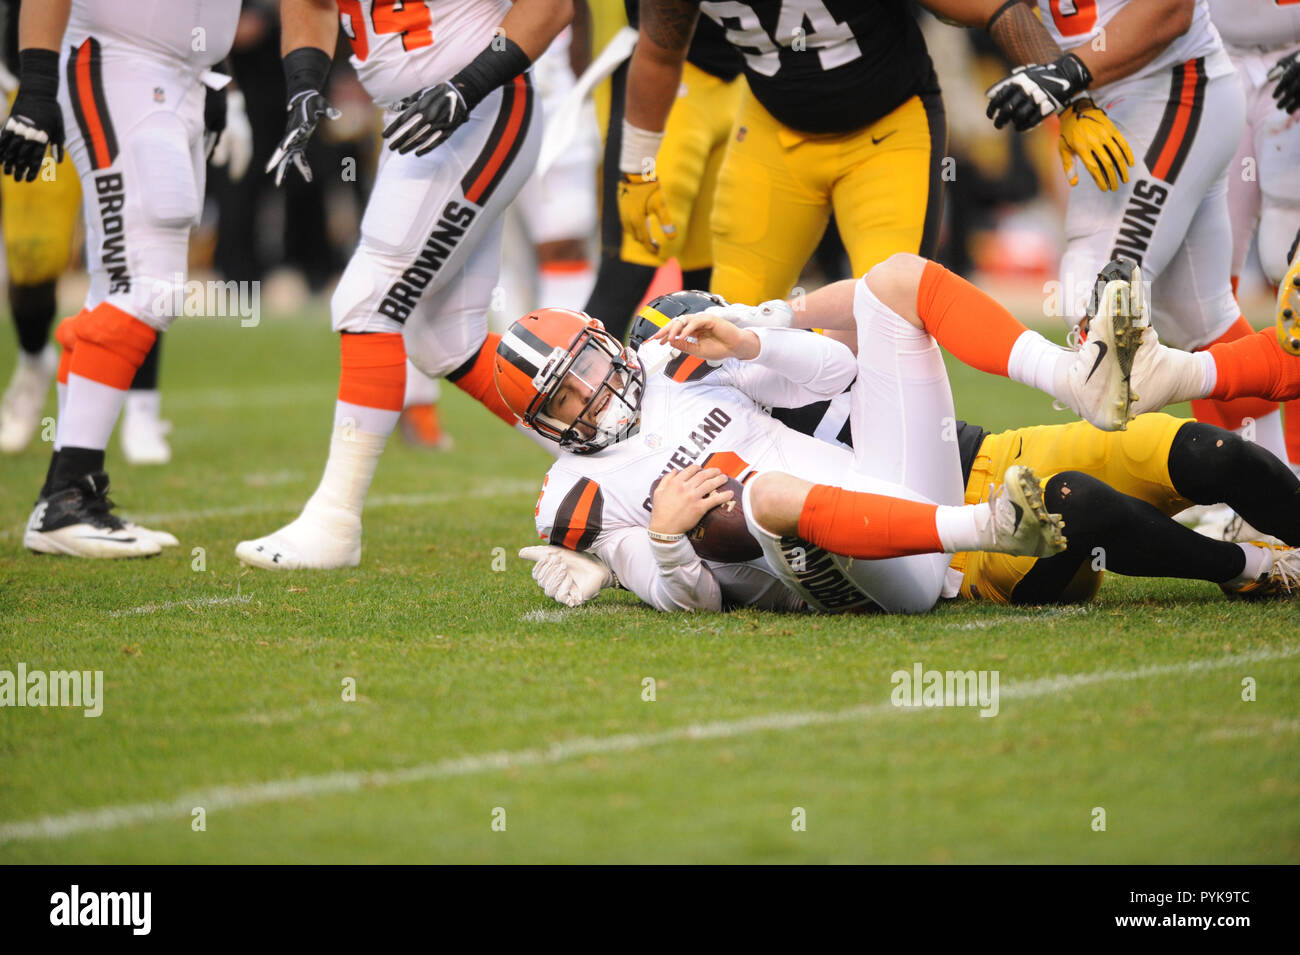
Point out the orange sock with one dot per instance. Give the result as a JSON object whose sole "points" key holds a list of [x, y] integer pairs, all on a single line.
{"points": [[966, 321], [66, 336], [110, 345], [372, 369], [868, 526], [1231, 414], [476, 378], [1255, 366]]}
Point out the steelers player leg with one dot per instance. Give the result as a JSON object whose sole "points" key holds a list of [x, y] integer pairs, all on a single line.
{"points": [[141, 165], [426, 217], [1117, 492], [39, 219]]}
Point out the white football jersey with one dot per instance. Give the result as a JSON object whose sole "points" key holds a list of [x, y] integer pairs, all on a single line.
{"points": [[693, 413], [1073, 23], [1250, 26], [196, 32], [402, 46]]}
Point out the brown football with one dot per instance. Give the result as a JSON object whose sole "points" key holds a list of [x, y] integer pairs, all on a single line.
{"points": [[721, 535]]}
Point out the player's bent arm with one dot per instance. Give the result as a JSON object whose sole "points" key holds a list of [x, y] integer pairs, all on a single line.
{"points": [[1019, 34], [794, 368], [1134, 37], [533, 24], [312, 23], [669, 577]]}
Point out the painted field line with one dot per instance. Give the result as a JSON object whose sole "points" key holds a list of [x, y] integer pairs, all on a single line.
{"points": [[238, 796], [200, 602], [162, 518]]}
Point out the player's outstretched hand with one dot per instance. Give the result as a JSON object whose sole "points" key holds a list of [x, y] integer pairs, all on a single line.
{"points": [[568, 576], [35, 124], [305, 111], [1032, 93], [682, 498], [710, 337], [1087, 132], [1287, 73], [428, 120]]}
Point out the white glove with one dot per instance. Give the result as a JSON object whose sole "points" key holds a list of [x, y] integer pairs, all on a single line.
{"points": [[234, 149], [568, 576], [774, 314]]}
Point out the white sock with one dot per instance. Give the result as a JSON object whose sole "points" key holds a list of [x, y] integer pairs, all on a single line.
{"points": [[1258, 560], [378, 421], [1266, 431], [61, 393], [89, 414], [143, 403], [1036, 362], [568, 286], [341, 495], [420, 388], [963, 527], [1209, 375]]}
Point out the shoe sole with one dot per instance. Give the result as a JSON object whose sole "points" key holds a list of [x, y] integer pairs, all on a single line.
{"points": [[40, 543], [1027, 493], [1122, 333], [1288, 310]]}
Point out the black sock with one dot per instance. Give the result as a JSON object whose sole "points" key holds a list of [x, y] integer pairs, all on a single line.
{"points": [[1209, 465], [620, 287], [1123, 534], [49, 473], [71, 464], [146, 376], [697, 278], [33, 307]]}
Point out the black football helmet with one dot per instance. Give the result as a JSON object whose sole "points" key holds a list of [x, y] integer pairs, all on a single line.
{"points": [[658, 312]]}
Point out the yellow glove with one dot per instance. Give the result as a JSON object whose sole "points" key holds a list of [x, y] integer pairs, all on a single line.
{"points": [[1086, 131], [644, 212]]}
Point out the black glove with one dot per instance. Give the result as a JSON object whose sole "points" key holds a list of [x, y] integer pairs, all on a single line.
{"points": [[1033, 92], [214, 119], [35, 123], [427, 120], [1287, 73], [305, 70]]}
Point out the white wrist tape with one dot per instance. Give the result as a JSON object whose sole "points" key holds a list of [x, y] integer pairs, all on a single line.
{"points": [[639, 148]]}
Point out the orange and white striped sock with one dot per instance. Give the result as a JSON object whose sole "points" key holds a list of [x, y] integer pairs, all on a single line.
{"points": [[1257, 419], [110, 345], [372, 381], [871, 526]]}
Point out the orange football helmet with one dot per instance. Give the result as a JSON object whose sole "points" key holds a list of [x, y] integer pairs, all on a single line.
{"points": [[552, 347]]}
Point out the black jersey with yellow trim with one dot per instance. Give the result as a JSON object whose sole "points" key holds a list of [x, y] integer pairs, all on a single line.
{"points": [[709, 50], [827, 66]]}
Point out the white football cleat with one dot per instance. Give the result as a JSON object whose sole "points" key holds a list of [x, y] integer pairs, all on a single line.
{"points": [[306, 543], [1098, 379], [1019, 521], [1281, 578], [164, 538], [77, 521], [24, 399]]}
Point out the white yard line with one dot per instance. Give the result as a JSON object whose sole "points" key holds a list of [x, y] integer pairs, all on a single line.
{"points": [[237, 796], [200, 602]]}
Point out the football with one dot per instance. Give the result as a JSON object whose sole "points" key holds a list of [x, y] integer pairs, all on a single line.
{"points": [[721, 535]]}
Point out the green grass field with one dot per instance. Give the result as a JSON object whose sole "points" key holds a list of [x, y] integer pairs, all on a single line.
{"points": [[223, 686]]}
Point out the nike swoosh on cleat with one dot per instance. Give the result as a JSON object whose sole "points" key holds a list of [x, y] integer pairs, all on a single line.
{"points": [[1102, 349], [115, 540]]}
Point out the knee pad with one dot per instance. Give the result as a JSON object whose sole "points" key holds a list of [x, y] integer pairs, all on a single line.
{"points": [[1279, 239], [450, 342], [160, 164], [357, 303]]}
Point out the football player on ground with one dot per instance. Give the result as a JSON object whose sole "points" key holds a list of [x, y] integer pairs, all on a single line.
{"points": [[1262, 38], [462, 133], [847, 117], [132, 108], [1160, 70], [1163, 462]]}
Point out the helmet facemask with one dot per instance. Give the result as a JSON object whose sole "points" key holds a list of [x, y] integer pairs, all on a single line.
{"points": [[596, 364]]}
